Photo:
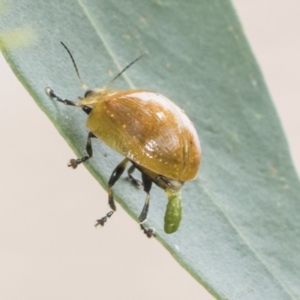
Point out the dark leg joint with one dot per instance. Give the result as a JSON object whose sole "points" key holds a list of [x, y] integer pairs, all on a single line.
{"points": [[86, 109], [136, 182]]}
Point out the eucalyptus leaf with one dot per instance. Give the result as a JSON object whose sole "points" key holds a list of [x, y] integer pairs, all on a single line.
{"points": [[239, 236]]}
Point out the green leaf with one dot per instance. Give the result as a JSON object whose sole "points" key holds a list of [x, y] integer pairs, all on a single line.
{"points": [[239, 236]]}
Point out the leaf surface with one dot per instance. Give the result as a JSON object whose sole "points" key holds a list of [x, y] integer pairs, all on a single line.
{"points": [[239, 236]]}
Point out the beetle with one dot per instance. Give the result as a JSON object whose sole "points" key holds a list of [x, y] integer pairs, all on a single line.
{"points": [[151, 132]]}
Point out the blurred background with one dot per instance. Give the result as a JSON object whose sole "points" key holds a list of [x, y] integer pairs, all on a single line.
{"points": [[49, 248]]}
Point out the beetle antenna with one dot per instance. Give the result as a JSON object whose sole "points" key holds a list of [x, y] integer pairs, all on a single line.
{"points": [[76, 69], [128, 66]]}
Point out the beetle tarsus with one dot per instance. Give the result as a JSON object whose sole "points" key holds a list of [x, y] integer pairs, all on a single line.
{"points": [[75, 162], [150, 232], [52, 95], [50, 92], [103, 220]]}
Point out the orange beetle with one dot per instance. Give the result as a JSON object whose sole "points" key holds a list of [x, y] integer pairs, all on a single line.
{"points": [[152, 133]]}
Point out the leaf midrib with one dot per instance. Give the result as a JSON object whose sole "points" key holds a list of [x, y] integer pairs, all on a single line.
{"points": [[106, 45]]}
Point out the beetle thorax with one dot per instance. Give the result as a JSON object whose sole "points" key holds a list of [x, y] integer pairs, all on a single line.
{"points": [[97, 95]]}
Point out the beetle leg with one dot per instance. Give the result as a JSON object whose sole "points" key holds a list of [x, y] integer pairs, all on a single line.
{"points": [[147, 182], [136, 182], [51, 94], [147, 187], [75, 162], [116, 174]]}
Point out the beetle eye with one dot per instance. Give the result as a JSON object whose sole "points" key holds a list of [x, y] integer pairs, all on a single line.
{"points": [[88, 92]]}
